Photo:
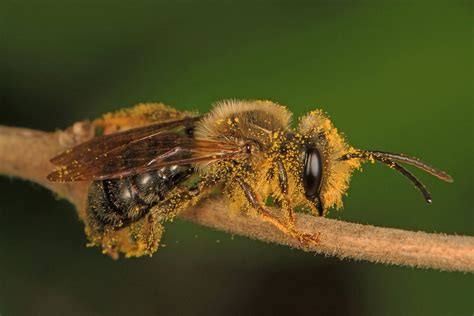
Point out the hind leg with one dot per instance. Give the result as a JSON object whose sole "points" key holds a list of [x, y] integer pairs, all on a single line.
{"points": [[147, 233]]}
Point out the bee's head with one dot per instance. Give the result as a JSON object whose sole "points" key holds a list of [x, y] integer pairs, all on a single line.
{"points": [[327, 162], [324, 177]]}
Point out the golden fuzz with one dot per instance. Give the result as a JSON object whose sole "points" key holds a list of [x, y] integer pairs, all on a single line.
{"points": [[337, 173], [233, 114], [140, 115], [269, 123], [266, 126]]}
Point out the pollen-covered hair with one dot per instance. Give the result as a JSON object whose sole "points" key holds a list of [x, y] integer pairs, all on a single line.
{"points": [[237, 118], [140, 114], [317, 128]]}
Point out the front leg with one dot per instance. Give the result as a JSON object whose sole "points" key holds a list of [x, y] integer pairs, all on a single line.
{"points": [[283, 186], [287, 227]]}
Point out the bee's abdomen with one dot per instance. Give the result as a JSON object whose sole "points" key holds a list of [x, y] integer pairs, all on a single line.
{"points": [[120, 202]]}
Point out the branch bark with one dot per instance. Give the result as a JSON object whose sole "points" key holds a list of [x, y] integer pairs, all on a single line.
{"points": [[25, 153]]}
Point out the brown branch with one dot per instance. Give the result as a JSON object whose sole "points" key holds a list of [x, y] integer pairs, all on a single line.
{"points": [[25, 153]]}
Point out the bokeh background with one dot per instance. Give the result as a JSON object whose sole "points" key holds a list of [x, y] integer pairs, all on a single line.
{"points": [[395, 76]]}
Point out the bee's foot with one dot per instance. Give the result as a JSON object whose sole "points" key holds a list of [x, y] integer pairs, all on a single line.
{"points": [[308, 239]]}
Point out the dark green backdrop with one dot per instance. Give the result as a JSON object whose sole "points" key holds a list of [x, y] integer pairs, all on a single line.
{"points": [[396, 76]]}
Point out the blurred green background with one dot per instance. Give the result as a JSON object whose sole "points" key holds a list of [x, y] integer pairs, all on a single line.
{"points": [[394, 76]]}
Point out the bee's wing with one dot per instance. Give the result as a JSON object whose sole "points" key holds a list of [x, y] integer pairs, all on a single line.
{"points": [[139, 150]]}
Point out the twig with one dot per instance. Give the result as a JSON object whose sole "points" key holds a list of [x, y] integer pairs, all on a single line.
{"points": [[25, 153]]}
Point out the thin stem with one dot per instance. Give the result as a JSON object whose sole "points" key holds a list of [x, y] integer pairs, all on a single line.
{"points": [[25, 153]]}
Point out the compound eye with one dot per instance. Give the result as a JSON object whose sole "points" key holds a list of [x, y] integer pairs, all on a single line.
{"points": [[312, 172]]}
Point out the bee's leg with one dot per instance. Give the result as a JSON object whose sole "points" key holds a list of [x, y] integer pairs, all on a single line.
{"points": [[147, 233], [316, 206], [183, 198], [283, 185], [286, 227]]}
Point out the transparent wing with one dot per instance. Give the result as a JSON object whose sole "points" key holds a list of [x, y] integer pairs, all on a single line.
{"points": [[139, 150]]}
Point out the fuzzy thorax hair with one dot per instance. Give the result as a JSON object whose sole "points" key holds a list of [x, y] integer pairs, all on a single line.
{"points": [[268, 124]]}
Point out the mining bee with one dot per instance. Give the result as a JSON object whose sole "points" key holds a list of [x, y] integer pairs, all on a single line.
{"points": [[153, 161]]}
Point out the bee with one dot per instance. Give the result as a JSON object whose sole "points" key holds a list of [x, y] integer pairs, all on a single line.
{"points": [[152, 162]]}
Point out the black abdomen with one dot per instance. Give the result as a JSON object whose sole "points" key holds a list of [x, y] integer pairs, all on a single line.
{"points": [[120, 202]]}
